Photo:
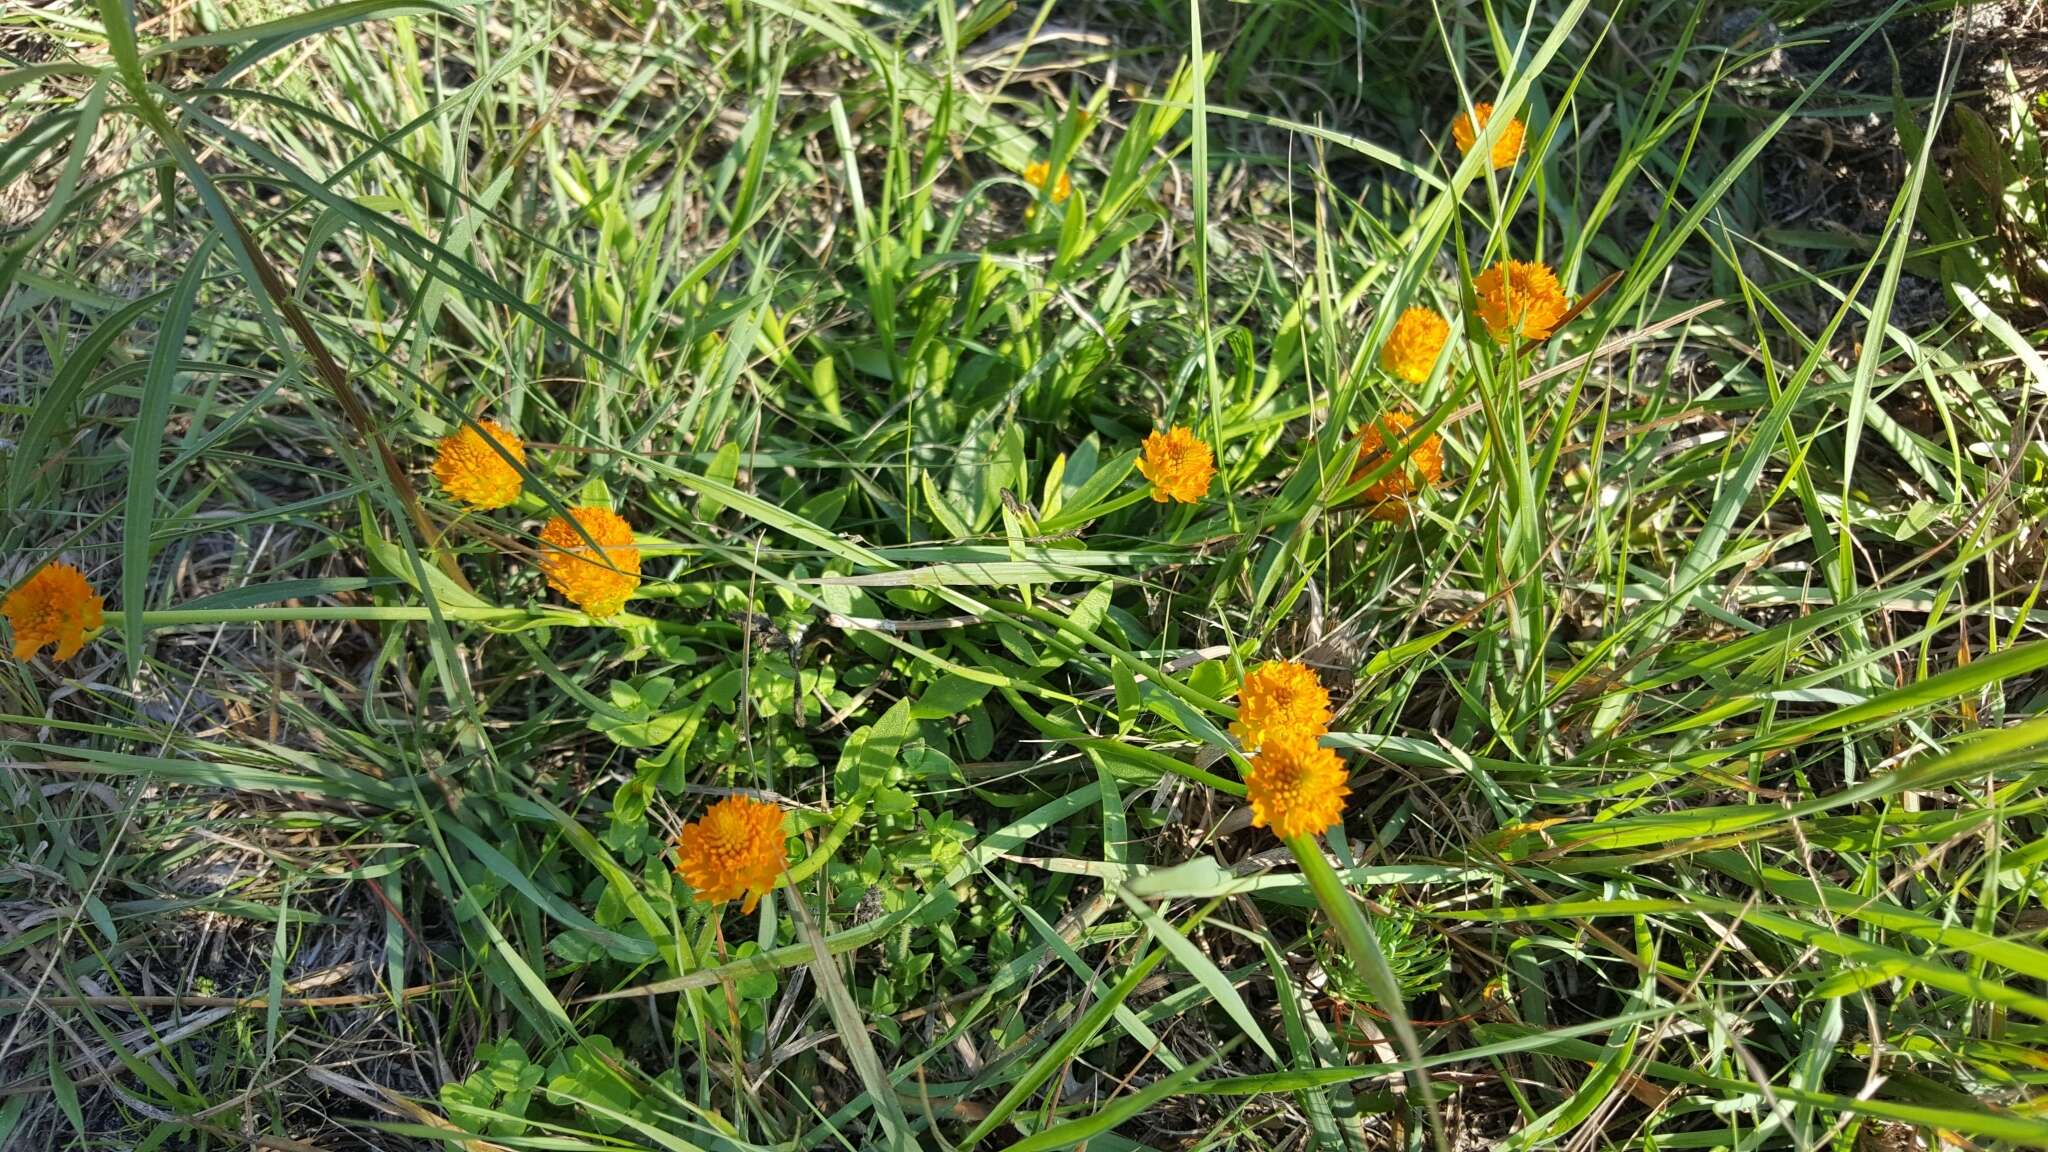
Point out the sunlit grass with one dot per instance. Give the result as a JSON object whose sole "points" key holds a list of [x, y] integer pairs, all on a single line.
{"points": [[965, 401]]}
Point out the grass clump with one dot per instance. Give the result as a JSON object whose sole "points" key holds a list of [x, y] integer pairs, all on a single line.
{"points": [[800, 575]]}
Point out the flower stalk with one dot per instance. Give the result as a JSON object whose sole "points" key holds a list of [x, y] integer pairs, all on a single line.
{"points": [[1368, 959]]}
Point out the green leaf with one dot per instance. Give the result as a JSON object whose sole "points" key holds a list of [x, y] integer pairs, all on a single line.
{"points": [[871, 752], [1204, 970], [65, 1091], [1076, 1133], [1063, 1049], [299, 25], [853, 1031], [60, 197], [725, 469], [637, 719], [496, 863], [1591, 1093], [279, 591], [391, 560], [948, 697], [145, 454]]}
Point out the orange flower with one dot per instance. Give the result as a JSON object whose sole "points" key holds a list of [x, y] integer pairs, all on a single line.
{"points": [[735, 849], [1519, 299], [470, 470], [1412, 347], [597, 580], [1178, 465], [1296, 787], [1280, 699], [1035, 175], [1505, 150], [1424, 466], [53, 606]]}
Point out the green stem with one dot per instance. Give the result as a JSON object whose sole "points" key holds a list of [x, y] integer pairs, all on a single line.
{"points": [[172, 617], [841, 829], [1079, 516], [1369, 961], [396, 613], [1159, 761]]}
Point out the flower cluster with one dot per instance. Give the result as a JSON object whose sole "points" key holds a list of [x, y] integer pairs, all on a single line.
{"points": [[1411, 349], [56, 607], [734, 850], [473, 471], [1178, 464], [1280, 698], [1387, 497], [1506, 150], [1519, 299], [587, 556], [1038, 171], [1296, 786], [1516, 300]]}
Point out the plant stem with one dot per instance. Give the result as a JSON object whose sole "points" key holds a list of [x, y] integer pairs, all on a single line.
{"points": [[841, 828], [1369, 961]]}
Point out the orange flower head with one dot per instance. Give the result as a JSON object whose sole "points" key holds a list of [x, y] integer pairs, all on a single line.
{"points": [[53, 606], [597, 580], [1281, 699], [735, 849], [1179, 466], [1037, 171], [471, 471], [1519, 299], [1296, 787], [1506, 150], [1412, 347], [1423, 468]]}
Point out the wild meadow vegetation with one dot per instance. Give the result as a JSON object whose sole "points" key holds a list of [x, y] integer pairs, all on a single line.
{"points": [[756, 575]]}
